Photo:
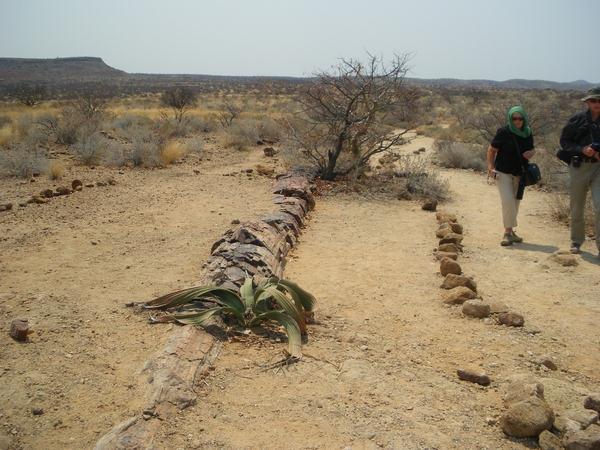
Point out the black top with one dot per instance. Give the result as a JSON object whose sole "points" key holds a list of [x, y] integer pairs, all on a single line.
{"points": [[579, 131], [509, 146]]}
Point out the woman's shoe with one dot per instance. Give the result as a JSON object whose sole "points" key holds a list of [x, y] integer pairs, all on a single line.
{"points": [[516, 238], [506, 240]]}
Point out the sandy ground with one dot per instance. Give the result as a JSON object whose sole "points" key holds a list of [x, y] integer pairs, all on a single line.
{"points": [[380, 358]]}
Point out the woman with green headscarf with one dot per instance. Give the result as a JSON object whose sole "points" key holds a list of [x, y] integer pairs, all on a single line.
{"points": [[508, 154]]}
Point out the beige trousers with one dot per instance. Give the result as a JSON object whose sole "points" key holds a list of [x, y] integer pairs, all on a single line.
{"points": [[507, 187], [583, 179]]}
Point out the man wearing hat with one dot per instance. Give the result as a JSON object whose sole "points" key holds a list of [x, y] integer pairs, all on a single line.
{"points": [[581, 137]]}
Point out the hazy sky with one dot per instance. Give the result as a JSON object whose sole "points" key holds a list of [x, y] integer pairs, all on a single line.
{"points": [[554, 40]]}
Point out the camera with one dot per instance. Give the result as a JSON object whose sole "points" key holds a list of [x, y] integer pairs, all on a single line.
{"points": [[596, 146]]}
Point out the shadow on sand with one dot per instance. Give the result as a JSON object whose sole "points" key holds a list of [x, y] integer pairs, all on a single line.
{"points": [[526, 246]]}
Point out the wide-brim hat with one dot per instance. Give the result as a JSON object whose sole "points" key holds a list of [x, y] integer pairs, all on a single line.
{"points": [[592, 93]]}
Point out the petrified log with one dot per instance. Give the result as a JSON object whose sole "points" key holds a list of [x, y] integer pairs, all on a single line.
{"points": [[296, 207], [291, 186], [256, 233], [169, 382], [253, 248]]}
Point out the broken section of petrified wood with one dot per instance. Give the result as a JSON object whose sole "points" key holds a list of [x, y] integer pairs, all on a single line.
{"points": [[168, 380], [19, 329], [299, 187]]}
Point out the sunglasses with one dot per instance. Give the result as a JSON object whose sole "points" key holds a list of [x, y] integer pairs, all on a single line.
{"points": [[593, 100], [517, 118]]}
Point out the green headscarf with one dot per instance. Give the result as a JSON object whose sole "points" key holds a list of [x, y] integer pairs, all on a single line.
{"points": [[526, 131]]}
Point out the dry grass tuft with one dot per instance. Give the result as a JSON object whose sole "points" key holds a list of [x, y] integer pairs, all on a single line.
{"points": [[56, 169], [560, 210], [6, 135], [172, 152]]}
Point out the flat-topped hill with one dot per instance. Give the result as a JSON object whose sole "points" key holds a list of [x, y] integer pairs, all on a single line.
{"points": [[57, 69]]}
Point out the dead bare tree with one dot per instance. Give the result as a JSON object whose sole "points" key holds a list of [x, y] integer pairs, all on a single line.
{"points": [[348, 114], [180, 100], [27, 93], [92, 103], [228, 111]]}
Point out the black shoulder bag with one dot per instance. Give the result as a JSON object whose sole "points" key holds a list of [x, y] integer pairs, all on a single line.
{"points": [[530, 175]]}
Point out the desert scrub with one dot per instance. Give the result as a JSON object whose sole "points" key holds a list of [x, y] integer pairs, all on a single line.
{"points": [[558, 204], [194, 144], [89, 147], [172, 152], [130, 120], [56, 169], [459, 155], [22, 161], [416, 179], [61, 128], [240, 135], [144, 150], [6, 135], [5, 120], [115, 154]]}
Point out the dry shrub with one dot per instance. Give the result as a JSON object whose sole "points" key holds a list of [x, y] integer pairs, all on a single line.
{"points": [[172, 152], [292, 156], [6, 135], [418, 180], [195, 144], [559, 205], [145, 148], [89, 147], [171, 128], [114, 154], [22, 161], [558, 202], [56, 169], [204, 124], [240, 135], [458, 155], [130, 120], [555, 173]]}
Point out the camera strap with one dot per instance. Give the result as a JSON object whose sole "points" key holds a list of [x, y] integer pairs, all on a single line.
{"points": [[519, 154]]}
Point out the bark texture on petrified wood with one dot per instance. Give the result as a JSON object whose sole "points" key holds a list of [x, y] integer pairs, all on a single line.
{"points": [[294, 186]]}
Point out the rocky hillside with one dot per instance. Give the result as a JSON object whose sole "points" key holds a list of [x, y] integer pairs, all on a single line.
{"points": [[579, 85], [56, 70]]}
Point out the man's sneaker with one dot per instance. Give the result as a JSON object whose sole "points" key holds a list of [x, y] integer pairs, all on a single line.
{"points": [[506, 240], [575, 248], [516, 238]]}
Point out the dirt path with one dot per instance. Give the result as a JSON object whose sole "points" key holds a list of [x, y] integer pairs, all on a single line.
{"points": [[380, 361]]}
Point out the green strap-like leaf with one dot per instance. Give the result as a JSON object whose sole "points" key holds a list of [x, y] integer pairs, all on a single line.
{"points": [[184, 296], [198, 318], [291, 328], [309, 302], [230, 299], [286, 303], [247, 292]]}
